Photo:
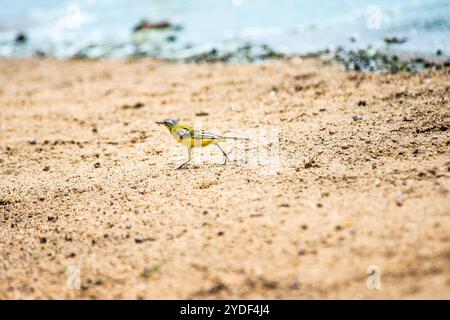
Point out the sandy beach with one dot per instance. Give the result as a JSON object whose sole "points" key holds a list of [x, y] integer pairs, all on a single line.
{"points": [[358, 185]]}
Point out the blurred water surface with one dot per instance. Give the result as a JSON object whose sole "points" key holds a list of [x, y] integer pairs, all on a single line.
{"points": [[63, 28]]}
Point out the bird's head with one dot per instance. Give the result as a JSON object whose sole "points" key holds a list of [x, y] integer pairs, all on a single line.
{"points": [[168, 123]]}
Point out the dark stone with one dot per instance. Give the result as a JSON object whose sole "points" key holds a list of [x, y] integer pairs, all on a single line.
{"points": [[147, 25], [141, 240], [21, 38], [362, 103], [395, 40], [137, 105]]}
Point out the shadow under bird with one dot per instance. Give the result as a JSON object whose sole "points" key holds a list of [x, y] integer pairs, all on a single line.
{"points": [[192, 138]]}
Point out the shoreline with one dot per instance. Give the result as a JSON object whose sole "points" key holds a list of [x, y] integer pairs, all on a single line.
{"points": [[368, 59], [361, 179]]}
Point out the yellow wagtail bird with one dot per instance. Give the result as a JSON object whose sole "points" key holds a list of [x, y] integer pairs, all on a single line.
{"points": [[191, 138]]}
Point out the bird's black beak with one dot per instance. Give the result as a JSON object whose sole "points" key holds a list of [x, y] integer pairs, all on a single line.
{"points": [[159, 122]]}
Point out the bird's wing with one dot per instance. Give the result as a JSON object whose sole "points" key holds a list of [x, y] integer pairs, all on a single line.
{"points": [[188, 133], [204, 135], [182, 133]]}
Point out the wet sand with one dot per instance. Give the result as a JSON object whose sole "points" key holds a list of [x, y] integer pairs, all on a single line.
{"points": [[359, 181]]}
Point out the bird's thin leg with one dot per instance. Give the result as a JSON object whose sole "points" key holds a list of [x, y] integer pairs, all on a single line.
{"points": [[226, 156], [184, 163]]}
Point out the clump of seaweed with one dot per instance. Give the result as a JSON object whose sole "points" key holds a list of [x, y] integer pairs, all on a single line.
{"points": [[244, 53], [376, 60]]}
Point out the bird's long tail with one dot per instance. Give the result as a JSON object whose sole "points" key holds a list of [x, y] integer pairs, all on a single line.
{"points": [[236, 138]]}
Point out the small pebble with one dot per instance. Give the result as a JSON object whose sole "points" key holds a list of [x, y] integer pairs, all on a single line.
{"points": [[141, 240], [308, 165], [362, 103], [294, 285]]}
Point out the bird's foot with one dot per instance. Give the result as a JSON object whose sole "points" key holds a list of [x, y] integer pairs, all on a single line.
{"points": [[226, 157], [183, 165]]}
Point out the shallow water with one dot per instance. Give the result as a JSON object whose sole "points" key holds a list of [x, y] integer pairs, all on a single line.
{"points": [[105, 27]]}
